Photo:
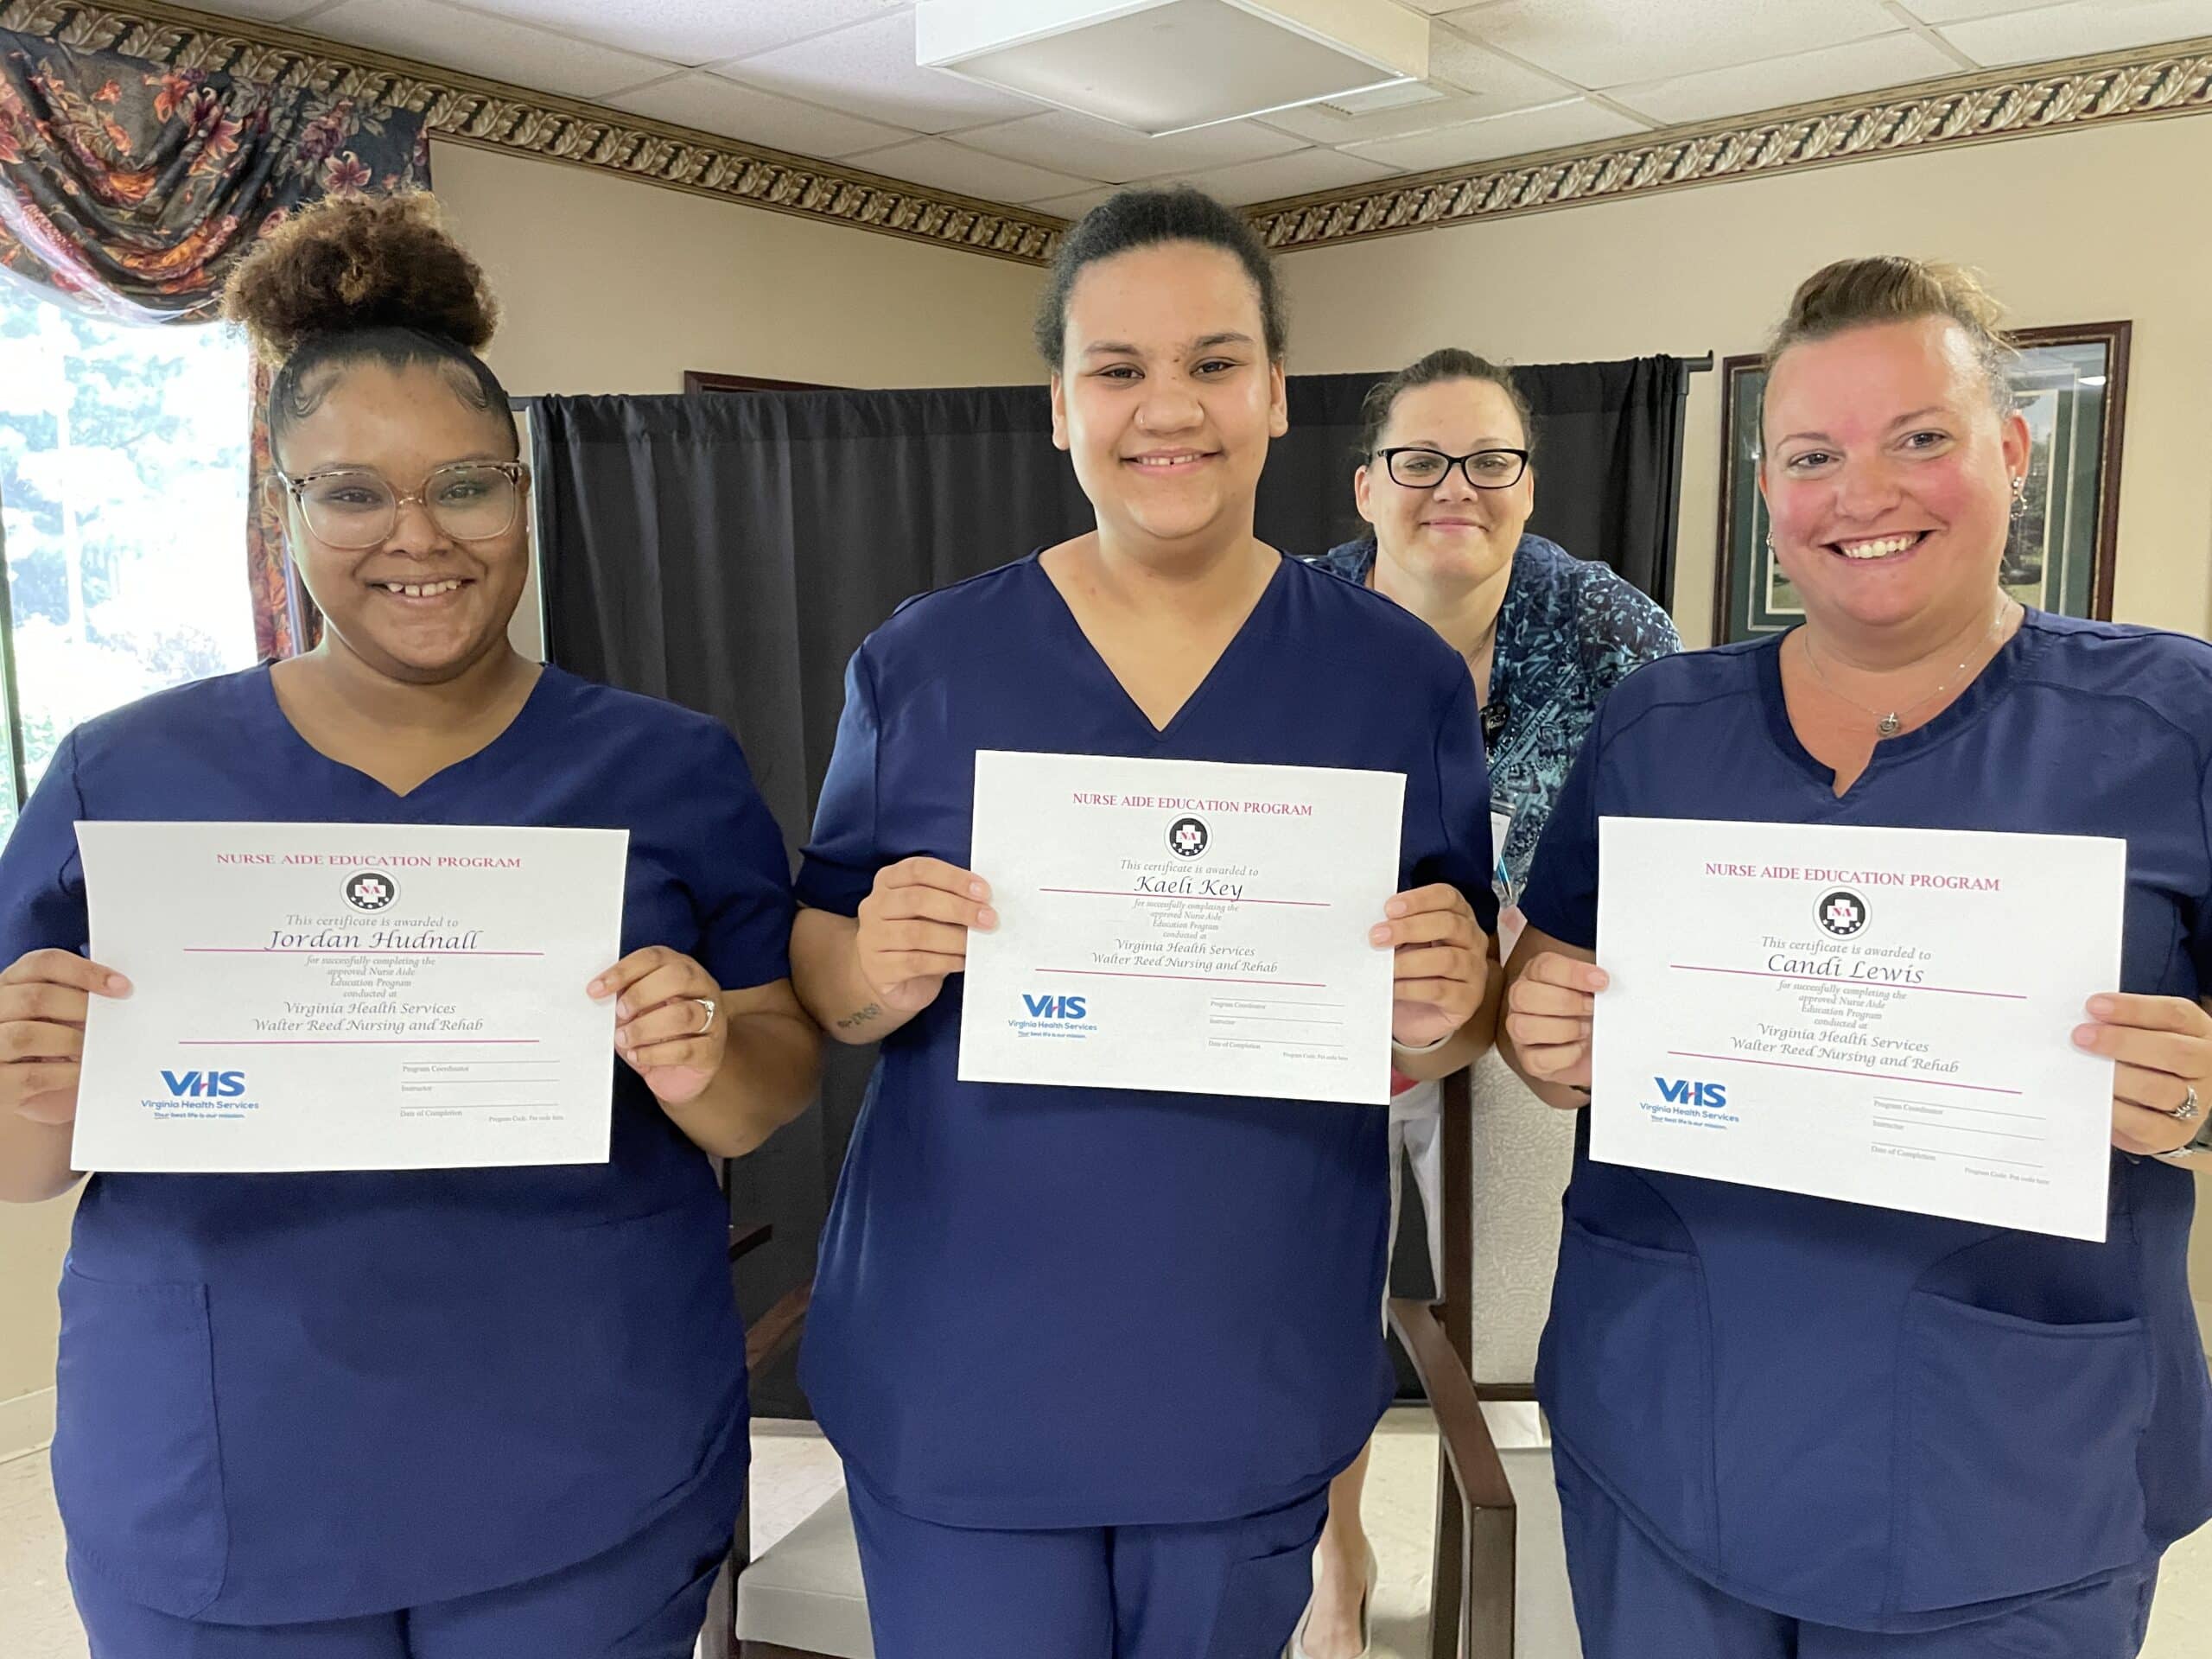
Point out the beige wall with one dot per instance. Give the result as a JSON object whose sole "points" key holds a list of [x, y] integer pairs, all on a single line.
{"points": [[2071, 227], [609, 285]]}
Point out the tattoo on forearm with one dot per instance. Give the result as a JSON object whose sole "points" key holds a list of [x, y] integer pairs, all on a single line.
{"points": [[860, 1018]]}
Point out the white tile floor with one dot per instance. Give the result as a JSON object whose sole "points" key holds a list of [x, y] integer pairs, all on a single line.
{"points": [[794, 1470]]}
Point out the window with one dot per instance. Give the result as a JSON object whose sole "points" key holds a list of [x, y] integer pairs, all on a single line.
{"points": [[123, 507]]}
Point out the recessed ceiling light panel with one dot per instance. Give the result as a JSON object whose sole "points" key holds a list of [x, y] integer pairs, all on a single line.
{"points": [[1159, 67]]}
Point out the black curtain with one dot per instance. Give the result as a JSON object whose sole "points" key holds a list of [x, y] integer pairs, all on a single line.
{"points": [[728, 552]]}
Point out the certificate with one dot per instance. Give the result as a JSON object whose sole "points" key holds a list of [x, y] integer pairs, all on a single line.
{"points": [[312, 996], [1877, 1015], [1182, 926]]}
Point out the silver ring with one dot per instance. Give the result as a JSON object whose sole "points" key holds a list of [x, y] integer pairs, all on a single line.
{"points": [[2189, 1110], [713, 1008]]}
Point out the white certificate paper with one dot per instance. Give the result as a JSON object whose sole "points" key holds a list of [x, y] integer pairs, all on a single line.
{"points": [[1182, 925], [312, 996], [1877, 1015]]}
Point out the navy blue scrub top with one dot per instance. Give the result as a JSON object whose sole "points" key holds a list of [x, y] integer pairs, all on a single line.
{"points": [[1044, 1307], [1860, 1416], [295, 1397]]}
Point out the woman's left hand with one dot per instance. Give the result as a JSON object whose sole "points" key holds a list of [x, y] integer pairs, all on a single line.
{"points": [[2164, 1047], [669, 1024], [1442, 961]]}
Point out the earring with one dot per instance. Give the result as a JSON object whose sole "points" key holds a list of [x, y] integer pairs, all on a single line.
{"points": [[1769, 543], [2019, 495]]}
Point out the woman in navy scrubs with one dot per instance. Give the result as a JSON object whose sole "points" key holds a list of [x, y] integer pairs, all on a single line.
{"points": [[1791, 1426], [441, 1414], [1092, 1355], [1447, 482]]}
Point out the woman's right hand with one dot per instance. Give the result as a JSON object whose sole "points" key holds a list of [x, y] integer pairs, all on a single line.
{"points": [[913, 930], [43, 997], [1548, 1008]]}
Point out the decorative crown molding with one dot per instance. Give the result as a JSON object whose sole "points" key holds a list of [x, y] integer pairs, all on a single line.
{"points": [[492, 115], [1980, 108]]}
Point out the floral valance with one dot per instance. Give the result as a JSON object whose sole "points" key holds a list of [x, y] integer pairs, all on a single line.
{"points": [[131, 187]]}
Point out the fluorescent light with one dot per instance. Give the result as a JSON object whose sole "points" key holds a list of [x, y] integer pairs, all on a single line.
{"points": [[1162, 67]]}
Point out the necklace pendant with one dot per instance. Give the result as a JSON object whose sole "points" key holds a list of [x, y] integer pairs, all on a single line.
{"points": [[1889, 726]]}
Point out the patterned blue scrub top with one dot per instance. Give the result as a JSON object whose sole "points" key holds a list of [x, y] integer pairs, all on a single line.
{"points": [[1569, 630]]}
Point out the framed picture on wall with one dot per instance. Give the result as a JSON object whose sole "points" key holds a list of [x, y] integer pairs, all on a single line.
{"points": [[2072, 385]]}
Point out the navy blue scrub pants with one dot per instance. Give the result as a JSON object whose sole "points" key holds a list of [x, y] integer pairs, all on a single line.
{"points": [[1632, 1602], [1226, 1589], [645, 1599]]}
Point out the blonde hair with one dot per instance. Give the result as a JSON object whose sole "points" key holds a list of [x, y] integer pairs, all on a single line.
{"points": [[1890, 287]]}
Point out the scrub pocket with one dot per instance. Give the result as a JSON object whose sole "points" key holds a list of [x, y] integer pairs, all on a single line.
{"points": [[1626, 1372], [1262, 1600], [2016, 1464], [137, 1468]]}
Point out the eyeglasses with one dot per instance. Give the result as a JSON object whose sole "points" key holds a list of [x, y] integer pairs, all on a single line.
{"points": [[469, 501], [1424, 469]]}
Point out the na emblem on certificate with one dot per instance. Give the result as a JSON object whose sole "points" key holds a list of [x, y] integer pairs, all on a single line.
{"points": [[1182, 925], [327, 996], [1883, 1016]]}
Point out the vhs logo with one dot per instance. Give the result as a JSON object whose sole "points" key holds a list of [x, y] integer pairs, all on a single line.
{"points": [[1055, 1007], [1682, 1091], [204, 1085]]}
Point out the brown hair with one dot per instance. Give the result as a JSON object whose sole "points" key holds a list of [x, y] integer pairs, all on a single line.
{"points": [[361, 279], [1890, 287], [1142, 218], [1445, 363]]}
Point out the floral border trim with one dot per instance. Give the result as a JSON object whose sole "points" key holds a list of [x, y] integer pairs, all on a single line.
{"points": [[2175, 79], [1981, 108], [492, 115]]}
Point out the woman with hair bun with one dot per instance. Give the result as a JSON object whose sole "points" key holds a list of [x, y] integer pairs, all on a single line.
{"points": [[466, 1414], [1791, 1426], [1092, 1355]]}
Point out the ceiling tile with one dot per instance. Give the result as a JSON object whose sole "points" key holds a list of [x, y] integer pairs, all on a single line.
{"points": [[1954, 11], [1576, 121], [267, 12], [1080, 145], [944, 165], [1076, 205], [1599, 43], [685, 31], [713, 104], [492, 47], [1458, 62], [869, 69], [2083, 26], [1803, 77], [1286, 175]]}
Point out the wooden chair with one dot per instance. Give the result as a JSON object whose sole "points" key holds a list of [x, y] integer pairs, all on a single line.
{"points": [[766, 1339], [1499, 1587]]}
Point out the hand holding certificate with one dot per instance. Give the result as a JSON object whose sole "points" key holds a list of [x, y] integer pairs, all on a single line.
{"points": [[333, 996], [1877, 1015], [1182, 925]]}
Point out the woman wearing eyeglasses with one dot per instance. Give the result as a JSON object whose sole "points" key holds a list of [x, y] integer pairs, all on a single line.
{"points": [[468, 1413], [1447, 481]]}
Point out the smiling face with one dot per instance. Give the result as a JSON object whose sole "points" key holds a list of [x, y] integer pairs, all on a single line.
{"points": [[1888, 473], [422, 605], [1165, 398], [1449, 532]]}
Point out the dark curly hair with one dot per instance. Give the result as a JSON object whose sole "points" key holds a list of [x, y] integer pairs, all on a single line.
{"points": [[1142, 218], [359, 279]]}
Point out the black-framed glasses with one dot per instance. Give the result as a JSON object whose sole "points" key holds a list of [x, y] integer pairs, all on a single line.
{"points": [[1424, 469], [356, 506]]}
